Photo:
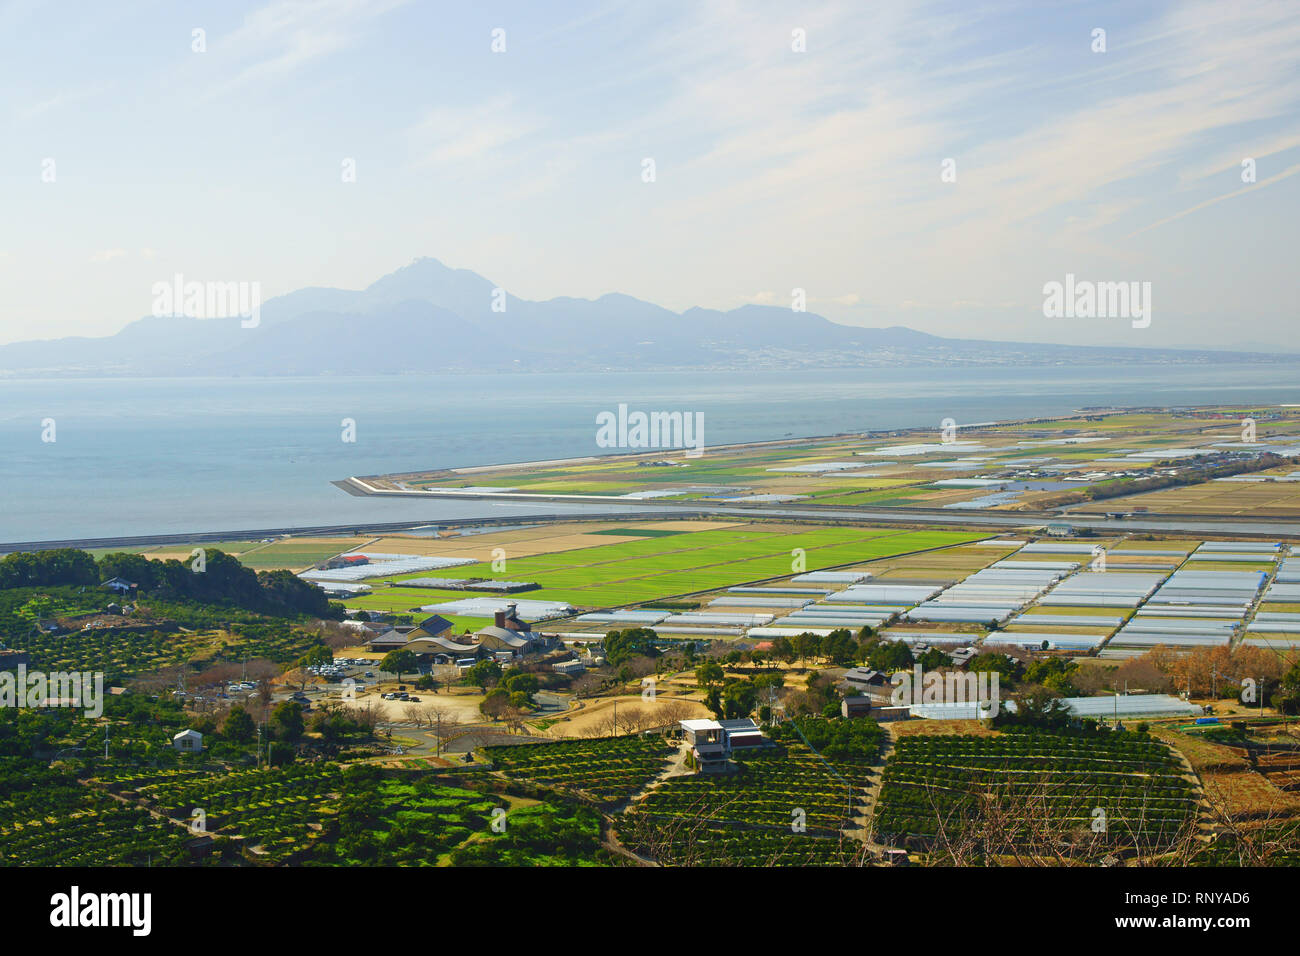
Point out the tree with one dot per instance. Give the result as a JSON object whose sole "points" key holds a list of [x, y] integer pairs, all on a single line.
{"points": [[287, 720], [1037, 706], [1008, 669], [890, 656], [838, 646], [738, 699], [484, 674], [238, 726], [710, 675], [493, 706], [634, 641], [443, 723], [514, 718], [806, 646], [398, 662], [427, 682], [526, 684], [783, 650], [933, 659]]}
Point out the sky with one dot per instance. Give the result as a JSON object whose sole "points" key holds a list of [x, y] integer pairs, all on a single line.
{"points": [[794, 146]]}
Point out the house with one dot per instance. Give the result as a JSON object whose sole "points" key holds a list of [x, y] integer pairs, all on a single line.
{"points": [[188, 741], [708, 744], [120, 586], [961, 656], [1059, 529], [863, 679], [859, 706], [741, 734]]}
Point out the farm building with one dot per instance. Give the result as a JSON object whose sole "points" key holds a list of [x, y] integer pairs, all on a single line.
{"points": [[1106, 707], [188, 741], [855, 706], [120, 586], [863, 678]]}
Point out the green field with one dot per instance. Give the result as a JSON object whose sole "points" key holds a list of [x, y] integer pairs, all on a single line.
{"points": [[632, 572]]}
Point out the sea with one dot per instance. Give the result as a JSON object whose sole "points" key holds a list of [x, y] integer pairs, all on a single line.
{"points": [[134, 457]]}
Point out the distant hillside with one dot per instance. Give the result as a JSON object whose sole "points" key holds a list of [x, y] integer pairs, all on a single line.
{"points": [[427, 317]]}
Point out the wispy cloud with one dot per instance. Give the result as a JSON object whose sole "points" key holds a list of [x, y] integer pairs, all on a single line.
{"points": [[285, 35]]}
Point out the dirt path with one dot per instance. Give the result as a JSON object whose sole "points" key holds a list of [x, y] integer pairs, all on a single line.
{"points": [[872, 795]]}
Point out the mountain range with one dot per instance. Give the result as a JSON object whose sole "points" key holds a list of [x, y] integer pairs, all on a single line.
{"points": [[428, 317]]}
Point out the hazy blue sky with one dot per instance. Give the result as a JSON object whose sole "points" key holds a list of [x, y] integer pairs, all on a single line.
{"points": [[775, 169]]}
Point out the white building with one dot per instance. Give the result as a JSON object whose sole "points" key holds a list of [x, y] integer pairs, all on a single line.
{"points": [[188, 741], [708, 742]]}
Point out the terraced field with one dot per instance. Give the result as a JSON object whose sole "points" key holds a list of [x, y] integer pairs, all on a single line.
{"points": [[323, 813], [610, 769], [1121, 789], [788, 805], [47, 818]]}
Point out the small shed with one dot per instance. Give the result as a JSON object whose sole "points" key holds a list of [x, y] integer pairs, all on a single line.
{"points": [[188, 741], [859, 706]]}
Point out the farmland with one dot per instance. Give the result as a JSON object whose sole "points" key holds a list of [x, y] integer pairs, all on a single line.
{"points": [[609, 770], [641, 570], [788, 805], [1015, 466], [1022, 790], [49, 818]]}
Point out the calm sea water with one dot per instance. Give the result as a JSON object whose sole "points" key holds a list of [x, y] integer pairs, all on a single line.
{"points": [[135, 457]]}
